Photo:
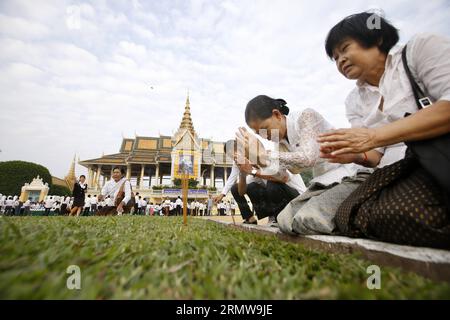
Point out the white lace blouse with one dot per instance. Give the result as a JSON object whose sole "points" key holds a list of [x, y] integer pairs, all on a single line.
{"points": [[301, 150]]}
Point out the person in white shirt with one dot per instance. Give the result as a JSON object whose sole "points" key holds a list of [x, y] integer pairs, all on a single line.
{"points": [[48, 205], [385, 75], [94, 204], [118, 188], [179, 206], [209, 206], [196, 205], [137, 198], [9, 206], [165, 207], [202, 209], [221, 207], [64, 205], [100, 205], [27, 207], [295, 135], [17, 207], [56, 208], [109, 202], [137, 207], [173, 208], [192, 207], [87, 206], [143, 207], [269, 193], [2, 205]]}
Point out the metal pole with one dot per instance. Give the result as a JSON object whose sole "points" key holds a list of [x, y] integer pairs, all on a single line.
{"points": [[185, 196]]}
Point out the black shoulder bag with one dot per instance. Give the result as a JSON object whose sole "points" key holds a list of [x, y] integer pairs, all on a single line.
{"points": [[433, 154]]}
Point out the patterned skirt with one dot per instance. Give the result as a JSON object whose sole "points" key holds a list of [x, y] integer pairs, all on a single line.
{"points": [[400, 203]]}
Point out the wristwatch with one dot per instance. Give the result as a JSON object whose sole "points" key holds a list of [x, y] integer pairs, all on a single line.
{"points": [[254, 171]]}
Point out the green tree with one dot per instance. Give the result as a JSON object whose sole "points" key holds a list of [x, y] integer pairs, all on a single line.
{"points": [[177, 182], [59, 191], [14, 174], [192, 183]]}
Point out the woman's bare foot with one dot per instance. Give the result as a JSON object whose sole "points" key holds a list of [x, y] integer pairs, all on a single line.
{"points": [[251, 220]]}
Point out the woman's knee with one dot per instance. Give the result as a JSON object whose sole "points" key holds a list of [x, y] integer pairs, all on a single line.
{"points": [[253, 189], [285, 219]]}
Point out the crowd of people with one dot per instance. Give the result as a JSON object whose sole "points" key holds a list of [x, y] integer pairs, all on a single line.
{"points": [[60, 205]]}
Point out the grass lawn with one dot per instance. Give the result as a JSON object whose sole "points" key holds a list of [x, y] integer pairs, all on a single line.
{"points": [[138, 257]]}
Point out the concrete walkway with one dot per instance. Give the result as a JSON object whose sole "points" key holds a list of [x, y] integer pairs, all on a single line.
{"points": [[430, 263]]}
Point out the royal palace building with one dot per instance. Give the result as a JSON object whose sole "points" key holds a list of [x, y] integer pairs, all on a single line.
{"points": [[153, 164]]}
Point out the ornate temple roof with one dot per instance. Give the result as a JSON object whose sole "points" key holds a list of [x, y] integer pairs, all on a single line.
{"points": [[186, 122], [151, 150]]}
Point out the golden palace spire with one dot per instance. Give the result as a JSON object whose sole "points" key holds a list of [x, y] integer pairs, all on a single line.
{"points": [[186, 122], [71, 177]]}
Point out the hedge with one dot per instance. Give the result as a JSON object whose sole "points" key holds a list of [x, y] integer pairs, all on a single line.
{"points": [[14, 174], [57, 190]]}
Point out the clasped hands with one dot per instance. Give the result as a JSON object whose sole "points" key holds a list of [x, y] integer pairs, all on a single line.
{"points": [[346, 145], [250, 151]]}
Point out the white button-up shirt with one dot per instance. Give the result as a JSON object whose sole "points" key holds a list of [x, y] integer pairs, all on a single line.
{"points": [[94, 199], [295, 180], [112, 188], [429, 60]]}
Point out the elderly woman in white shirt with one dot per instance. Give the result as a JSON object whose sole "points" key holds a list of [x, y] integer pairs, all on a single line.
{"points": [[119, 189], [401, 202], [313, 211]]}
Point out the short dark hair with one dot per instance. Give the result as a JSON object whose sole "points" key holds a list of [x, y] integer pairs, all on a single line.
{"points": [[356, 27], [122, 170], [83, 176], [260, 108]]}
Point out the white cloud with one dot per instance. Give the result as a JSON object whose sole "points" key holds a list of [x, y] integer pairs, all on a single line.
{"points": [[66, 90]]}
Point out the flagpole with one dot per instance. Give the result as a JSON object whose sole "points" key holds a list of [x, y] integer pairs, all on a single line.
{"points": [[184, 185]]}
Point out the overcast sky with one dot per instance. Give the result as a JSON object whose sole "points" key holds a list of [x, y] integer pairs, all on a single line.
{"points": [[76, 76]]}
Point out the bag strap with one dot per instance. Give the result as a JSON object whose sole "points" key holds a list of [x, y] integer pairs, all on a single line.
{"points": [[417, 91], [122, 187]]}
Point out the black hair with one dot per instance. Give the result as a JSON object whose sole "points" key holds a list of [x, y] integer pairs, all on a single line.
{"points": [[122, 170], [260, 108], [358, 27], [230, 144]]}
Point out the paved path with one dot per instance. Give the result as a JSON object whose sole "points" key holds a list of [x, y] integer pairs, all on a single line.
{"points": [[237, 219], [431, 263]]}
